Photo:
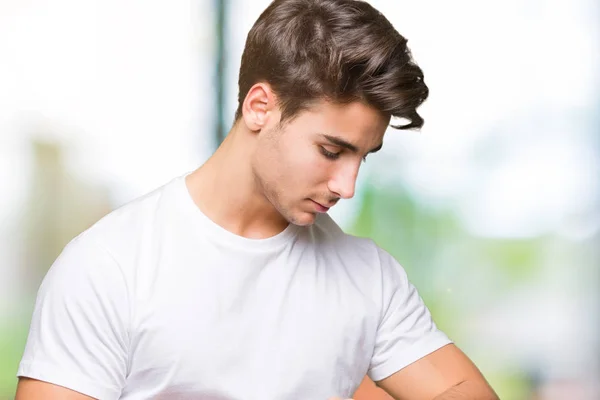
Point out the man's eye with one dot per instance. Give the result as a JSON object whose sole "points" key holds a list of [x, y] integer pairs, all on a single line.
{"points": [[328, 154]]}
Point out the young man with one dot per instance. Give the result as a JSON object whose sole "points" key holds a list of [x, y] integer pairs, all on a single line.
{"points": [[231, 282]]}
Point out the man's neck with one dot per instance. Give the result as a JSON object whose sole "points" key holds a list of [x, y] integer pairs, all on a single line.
{"points": [[225, 190]]}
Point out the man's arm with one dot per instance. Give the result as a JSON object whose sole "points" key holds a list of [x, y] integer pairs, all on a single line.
{"points": [[445, 374], [78, 338], [32, 389]]}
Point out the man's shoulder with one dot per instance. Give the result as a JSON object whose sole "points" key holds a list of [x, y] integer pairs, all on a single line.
{"points": [[128, 222], [327, 230]]}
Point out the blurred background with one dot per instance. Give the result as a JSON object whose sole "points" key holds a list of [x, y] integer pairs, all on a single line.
{"points": [[493, 208]]}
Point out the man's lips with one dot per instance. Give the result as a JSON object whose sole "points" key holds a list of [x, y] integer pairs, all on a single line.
{"points": [[320, 207]]}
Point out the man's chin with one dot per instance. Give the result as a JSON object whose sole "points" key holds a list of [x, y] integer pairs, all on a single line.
{"points": [[303, 219]]}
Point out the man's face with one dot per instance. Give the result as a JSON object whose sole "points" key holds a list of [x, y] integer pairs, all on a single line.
{"points": [[305, 166]]}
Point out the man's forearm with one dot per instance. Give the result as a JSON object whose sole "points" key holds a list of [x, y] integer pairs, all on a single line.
{"points": [[469, 390]]}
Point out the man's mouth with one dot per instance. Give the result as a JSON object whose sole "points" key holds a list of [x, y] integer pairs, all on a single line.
{"points": [[320, 207]]}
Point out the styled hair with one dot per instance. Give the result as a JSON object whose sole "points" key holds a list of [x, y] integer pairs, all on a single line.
{"points": [[340, 51]]}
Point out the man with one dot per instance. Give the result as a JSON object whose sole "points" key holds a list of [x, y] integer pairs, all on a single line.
{"points": [[231, 282]]}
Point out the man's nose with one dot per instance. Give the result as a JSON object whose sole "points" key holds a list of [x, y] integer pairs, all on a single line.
{"points": [[343, 183]]}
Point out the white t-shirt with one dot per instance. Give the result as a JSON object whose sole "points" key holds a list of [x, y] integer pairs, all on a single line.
{"points": [[157, 301]]}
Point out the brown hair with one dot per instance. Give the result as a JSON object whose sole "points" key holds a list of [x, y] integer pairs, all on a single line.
{"points": [[338, 50]]}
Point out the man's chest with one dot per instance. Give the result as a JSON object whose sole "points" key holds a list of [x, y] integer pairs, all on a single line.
{"points": [[259, 335]]}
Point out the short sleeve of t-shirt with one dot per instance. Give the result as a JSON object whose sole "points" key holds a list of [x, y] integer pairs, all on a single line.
{"points": [[406, 330], [78, 337]]}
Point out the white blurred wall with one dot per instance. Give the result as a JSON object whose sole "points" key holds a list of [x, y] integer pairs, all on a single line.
{"points": [[124, 87]]}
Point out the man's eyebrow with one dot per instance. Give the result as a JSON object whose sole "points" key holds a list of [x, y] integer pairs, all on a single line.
{"points": [[347, 145]]}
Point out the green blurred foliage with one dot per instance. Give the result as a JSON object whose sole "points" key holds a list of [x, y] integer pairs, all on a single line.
{"points": [[13, 334]]}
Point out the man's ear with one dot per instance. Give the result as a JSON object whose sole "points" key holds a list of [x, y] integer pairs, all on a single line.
{"points": [[259, 106]]}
